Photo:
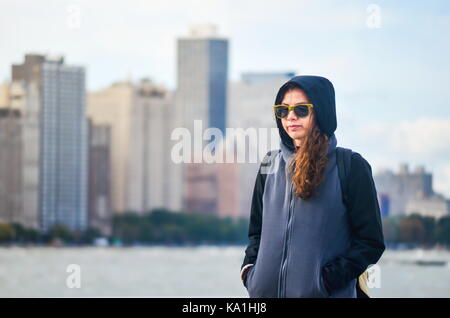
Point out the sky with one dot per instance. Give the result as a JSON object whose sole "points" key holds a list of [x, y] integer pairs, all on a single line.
{"points": [[388, 60]]}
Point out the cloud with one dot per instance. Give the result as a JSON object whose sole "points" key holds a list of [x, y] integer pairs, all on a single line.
{"points": [[423, 141], [139, 36], [386, 145], [425, 138]]}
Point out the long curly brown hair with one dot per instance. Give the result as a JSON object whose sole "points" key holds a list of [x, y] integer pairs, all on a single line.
{"points": [[309, 163]]}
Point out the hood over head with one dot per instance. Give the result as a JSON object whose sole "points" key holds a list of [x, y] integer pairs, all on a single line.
{"points": [[320, 92]]}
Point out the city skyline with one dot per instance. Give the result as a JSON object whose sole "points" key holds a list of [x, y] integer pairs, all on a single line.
{"points": [[408, 193], [141, 146], [255, 77], [387, 66]]}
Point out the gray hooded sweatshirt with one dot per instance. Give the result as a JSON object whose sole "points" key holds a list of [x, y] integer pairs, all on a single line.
{"points": [[294, 243]]}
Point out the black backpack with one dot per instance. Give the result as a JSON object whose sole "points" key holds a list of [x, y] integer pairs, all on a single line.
{"points": [[343, 162]]}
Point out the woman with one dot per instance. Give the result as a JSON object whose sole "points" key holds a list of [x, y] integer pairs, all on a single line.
{"points": [[304, 242]]}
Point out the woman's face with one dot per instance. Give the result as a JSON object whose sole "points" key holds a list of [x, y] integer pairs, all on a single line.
{"points": [[296, 127]]}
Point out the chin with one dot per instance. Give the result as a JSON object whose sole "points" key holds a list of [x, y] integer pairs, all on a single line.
{"points": [[296, 136]]}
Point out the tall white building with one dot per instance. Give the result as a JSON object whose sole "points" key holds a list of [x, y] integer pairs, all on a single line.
{"points": [[202, 76], [10, 165], [112, 106], [63, 147], [23, 97], [151, 182], [141, 117]]}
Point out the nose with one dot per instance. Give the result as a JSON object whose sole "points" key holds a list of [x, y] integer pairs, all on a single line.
{"points": [[291, 115]]}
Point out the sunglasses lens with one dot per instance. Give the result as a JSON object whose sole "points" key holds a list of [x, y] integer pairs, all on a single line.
{"points": [[301, 110], [281, 111]]}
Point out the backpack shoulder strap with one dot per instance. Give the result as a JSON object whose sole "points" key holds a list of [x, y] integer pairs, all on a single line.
{"points": [[267, 163], [343, 161]]}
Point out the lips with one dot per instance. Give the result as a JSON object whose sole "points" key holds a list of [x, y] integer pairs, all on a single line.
{"points": [[293, 127]]}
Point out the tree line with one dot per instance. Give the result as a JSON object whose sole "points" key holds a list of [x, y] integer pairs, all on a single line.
{"points": [[417, 230], [158, 226], [162, 226]]}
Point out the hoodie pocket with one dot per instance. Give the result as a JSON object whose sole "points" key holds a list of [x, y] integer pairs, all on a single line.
{"points": [[249, 280], [247, 274]]}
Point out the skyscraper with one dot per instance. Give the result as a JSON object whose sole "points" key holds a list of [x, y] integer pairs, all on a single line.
{"points": [[100, 215], [113, 106], [62, 140], [10, 165], [150, 179], [140, 117], [21, 98], [202, 75]]}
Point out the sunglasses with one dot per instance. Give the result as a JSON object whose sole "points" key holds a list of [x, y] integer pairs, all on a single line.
{"points": [[300, 110]]}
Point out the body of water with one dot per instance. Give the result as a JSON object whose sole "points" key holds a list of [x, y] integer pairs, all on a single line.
{"points": [[205, 271]]}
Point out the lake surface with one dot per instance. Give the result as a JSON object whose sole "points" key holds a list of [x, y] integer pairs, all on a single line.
{"points": [[205, 271]]}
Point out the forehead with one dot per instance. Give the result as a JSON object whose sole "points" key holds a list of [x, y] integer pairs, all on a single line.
{"points": [[295, 96]]}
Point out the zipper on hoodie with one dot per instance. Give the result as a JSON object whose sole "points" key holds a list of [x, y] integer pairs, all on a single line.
{"points": [[282, 285]]}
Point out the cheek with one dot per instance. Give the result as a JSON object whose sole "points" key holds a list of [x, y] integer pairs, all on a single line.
{"points": [[306, 122]]}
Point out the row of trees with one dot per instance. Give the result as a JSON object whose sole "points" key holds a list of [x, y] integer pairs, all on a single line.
{"points": [[16, 233], [161, 226], [157, 227], [165, 227], [417, 230]]}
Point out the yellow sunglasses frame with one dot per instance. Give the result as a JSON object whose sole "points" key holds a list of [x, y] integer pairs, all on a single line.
{"points": [[292, 108]]}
